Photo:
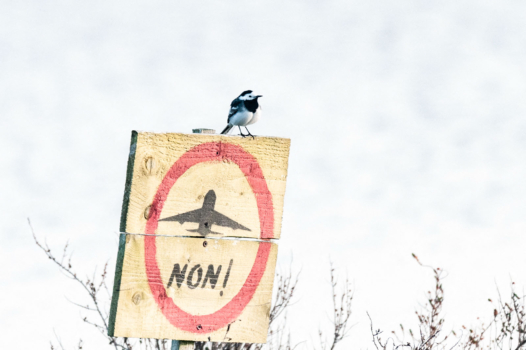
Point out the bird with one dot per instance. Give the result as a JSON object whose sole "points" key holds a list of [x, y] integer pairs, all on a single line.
{"points": [[244, 110]]}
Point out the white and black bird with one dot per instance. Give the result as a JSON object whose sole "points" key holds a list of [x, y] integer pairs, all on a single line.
{"points": [[244, 110]]}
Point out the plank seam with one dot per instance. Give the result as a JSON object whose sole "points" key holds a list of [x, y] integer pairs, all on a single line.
{"points": [[272, 240]]}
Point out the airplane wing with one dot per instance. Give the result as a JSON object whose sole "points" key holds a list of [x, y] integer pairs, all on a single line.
{"points": [[222, 220], [191, 216]]}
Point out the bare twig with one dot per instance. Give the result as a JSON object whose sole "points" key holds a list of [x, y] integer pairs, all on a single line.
{"points": [[89, 285], [342, 310], [506, 331], [284, 287]]}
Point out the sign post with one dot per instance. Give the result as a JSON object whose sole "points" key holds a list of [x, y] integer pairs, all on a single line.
{"points": [[198, 246]]}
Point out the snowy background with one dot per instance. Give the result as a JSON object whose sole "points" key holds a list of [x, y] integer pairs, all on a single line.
{"points": [[408, 128]]}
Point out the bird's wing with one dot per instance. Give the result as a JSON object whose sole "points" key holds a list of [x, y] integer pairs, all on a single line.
{"points": [[191, 216], [221, 220], [234, 107]]}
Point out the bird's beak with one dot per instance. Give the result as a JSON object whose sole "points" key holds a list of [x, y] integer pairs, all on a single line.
{"points": [[259, 96]]}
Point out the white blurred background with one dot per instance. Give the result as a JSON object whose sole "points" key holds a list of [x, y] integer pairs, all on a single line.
{"points": [[408, 128]]}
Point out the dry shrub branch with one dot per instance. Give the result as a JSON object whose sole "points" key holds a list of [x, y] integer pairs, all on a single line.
{"points": [[342, 296], [505, 331], [100, 297]]}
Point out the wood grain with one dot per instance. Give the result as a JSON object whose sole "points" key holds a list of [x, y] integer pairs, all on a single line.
{"points": [[173, 283], [156, 153], [139, 314]]}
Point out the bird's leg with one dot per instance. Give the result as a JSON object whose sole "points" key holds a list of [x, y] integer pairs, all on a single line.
{"points": [[249, 134], [240, 132]]}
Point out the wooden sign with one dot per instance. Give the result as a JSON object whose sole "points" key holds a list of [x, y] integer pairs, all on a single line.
{"points": [[197, 251]]}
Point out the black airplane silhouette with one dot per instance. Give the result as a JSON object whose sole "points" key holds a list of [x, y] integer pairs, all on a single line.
{"points": [[206, 217]]}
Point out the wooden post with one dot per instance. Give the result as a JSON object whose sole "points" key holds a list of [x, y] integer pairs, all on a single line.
{"points": [[182, 345]]}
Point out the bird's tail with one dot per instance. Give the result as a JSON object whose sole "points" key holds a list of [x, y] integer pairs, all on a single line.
{"points": [[227, 129]]}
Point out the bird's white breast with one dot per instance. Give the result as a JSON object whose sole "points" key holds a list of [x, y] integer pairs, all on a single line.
{"points": [[255, 117], [242, 118]]}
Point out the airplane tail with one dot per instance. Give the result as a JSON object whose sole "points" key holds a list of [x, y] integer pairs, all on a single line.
{"points": [[227, 129]]}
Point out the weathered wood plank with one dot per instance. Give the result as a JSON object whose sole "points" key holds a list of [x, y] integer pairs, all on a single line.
{"points": [[156, 154], [206, 289]]}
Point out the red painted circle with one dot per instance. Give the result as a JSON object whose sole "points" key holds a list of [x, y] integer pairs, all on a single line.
{"points": [[210, 152]]}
